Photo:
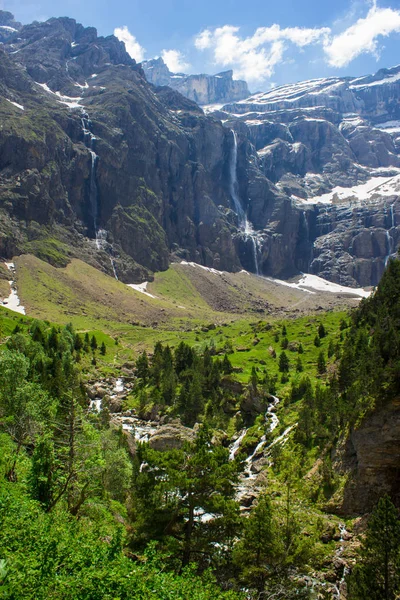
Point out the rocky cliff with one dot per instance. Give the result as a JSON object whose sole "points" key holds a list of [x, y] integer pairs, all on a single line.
{"points": [[95, 162], [203, 89], [332, 147]]}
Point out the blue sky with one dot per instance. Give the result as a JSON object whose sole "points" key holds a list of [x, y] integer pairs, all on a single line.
{"points": [[266, 42]]}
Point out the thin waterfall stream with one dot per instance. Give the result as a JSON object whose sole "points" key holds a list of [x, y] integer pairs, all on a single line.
{"points": [[244, 224], [100, 234]]}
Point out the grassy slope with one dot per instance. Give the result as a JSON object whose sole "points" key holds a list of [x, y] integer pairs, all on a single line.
{"points": [[188, 301]]}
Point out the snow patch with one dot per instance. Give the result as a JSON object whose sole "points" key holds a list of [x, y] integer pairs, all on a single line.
{"points": [[209, 269], [69, 101], [209, 108], [374, 187], [13, 302], [141, 287], [310, 282], [15, 104]]}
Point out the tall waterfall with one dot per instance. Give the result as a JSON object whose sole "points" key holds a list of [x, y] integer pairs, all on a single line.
{"points": [[100, 234], [244, 225], [89, 140]]}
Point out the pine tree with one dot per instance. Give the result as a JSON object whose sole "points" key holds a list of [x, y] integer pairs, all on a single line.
{"points": [[321, 364], [93, 343], [283, 362], [142, 368], [226, 365], [377, 573], [256, 551], [321, 331], [103, 349]]}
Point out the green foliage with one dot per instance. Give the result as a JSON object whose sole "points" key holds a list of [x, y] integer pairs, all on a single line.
{"points": [[283, 362], [377, 573]]}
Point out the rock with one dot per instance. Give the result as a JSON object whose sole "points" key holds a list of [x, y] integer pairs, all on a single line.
{"points": [[248, 499], [370, 460], [203, 89], [171, 436]]}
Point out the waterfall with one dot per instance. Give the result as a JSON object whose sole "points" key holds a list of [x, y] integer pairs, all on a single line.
{"points": [[113, 268], [234, 185], [389, 241], [89, 140], [93, 189], [100, 234], [244, 225], [392, 215]]}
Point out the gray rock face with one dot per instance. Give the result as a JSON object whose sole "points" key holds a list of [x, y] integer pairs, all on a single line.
{"points": [[203, 89], [311, 139], [89, 149]]}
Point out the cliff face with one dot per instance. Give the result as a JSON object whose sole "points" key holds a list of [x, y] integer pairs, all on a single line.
{"points": [[372, 460], [89, 145], [332, 146], [203, 89], [128, 175]]}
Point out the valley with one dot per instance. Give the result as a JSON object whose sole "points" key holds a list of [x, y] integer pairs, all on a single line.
{"points": [[199, 327]]}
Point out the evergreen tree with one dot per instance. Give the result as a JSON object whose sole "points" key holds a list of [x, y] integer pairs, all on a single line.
{"points": [[321, 364], [321, 331], [283, 362], [255, 553], [142, 368], [377, 573], [226, 365], [103, 349], [86, 343], [93, 343]]}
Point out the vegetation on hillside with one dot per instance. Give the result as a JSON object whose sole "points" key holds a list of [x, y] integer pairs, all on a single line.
{"points": [[86, 515]]}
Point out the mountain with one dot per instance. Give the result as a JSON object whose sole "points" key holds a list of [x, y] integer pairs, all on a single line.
{"points": [[203, 89], [332, 146], [98, 164]]}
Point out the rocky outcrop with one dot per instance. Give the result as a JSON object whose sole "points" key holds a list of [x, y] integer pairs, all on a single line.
{"points": [[203, 89], [371, 460]]}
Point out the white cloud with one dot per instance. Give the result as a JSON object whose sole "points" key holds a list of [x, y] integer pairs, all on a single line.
{"points": [[203, 40], [254, 58], [362, 36], [133, 48], [175, 61]]}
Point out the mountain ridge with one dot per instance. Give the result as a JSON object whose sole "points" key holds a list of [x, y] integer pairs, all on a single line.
{"points": [[130, 176]]}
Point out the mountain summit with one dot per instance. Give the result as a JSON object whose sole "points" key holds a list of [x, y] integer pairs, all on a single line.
{"points": [[203, 89]]}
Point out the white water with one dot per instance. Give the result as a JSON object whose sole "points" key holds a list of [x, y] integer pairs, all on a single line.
{"points": [[341, 586], [233, 449], [95, 405], [389, 242], [244, 225], [119, 386], [141, 430], [12, 302], [272, 423]]}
